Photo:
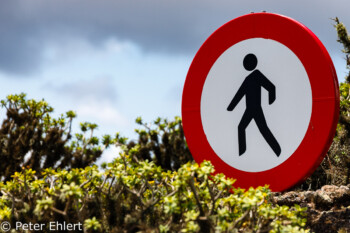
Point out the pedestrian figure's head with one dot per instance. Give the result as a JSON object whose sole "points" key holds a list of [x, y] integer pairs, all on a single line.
{"points": [[250, 61]]}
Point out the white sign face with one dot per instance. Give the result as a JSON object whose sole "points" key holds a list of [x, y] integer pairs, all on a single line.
{"points": [[255, 114]]}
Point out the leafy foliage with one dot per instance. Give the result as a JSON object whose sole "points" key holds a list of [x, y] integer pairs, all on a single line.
{"points": [[31, 137], [163, 142], [141, 196], [152, 186]]}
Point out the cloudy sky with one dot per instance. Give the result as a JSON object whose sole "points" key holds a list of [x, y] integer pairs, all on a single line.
{"points": [[111, 61]]}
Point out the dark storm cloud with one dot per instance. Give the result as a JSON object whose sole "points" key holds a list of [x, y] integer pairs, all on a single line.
{"points": [[170, 26], [18, 46]]}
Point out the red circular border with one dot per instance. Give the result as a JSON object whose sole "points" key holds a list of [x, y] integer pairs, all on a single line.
{"points": [[325, 97]]}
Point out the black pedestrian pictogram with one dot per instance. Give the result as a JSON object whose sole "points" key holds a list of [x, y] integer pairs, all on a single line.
{"points": [[251, 89]]}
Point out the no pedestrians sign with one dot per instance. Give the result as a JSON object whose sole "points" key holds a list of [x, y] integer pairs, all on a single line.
{"points": [[261, 101]]}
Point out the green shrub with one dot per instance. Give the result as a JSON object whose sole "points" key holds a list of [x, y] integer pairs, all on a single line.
{"points": [[31, 137], [162, 142], [140, 196]]}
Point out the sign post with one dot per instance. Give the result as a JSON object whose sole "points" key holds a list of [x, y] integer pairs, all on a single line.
{"points": [[261, 101]]}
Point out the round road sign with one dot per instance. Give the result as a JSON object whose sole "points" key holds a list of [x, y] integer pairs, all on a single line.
{"points": [[261, 101]]}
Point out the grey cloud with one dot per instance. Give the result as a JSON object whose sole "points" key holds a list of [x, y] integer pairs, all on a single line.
{"points": [[19, 48], [174, 27], [99, 89]]}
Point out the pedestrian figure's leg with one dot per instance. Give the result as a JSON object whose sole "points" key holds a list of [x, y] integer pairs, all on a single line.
{"points": [[247, 117], [265, 131]]}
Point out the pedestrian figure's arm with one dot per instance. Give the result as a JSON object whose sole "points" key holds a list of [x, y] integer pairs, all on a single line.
{"points": [[268, 85], [239, 95]]}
